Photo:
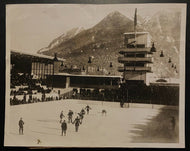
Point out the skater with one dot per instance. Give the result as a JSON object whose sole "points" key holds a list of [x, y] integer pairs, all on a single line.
{"points": [[104, 112], [61, 115], [87, 109], [70, 116], [64, 128], [82, 111], [77, 123], [81, 116], [21, 123]]}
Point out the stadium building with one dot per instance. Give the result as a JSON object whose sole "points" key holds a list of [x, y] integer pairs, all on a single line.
{"points": [[36, 65]]}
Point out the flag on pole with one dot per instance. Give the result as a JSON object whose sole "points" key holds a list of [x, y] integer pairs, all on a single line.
{"points": [[135, 19]]}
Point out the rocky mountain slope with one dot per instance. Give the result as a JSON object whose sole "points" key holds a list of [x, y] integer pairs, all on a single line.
{"points": [[164, 28], [103, 41]]}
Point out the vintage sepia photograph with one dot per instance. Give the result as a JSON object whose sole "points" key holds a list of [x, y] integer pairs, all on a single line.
{"points": [[95, 75]]}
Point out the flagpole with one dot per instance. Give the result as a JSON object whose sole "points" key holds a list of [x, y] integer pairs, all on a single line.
{"points": [[135, 24]]}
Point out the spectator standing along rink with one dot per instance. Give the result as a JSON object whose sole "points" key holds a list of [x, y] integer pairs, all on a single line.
{"points": [[21, 126]]}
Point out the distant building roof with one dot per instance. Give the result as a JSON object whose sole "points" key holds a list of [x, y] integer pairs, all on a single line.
{"points": [[161, 80], [35, 55], [79, 75], [164, 84]]}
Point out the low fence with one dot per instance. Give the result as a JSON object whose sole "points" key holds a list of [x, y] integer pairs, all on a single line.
{"points": [[161, 95], [165, 95]]}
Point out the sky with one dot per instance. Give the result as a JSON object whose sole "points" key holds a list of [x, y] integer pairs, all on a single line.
{"points": [[33, 26]]}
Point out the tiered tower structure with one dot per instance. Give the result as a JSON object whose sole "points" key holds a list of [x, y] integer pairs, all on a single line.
{"points": [[137, 56]]}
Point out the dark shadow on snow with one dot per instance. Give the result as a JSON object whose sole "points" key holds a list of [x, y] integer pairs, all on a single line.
{"points": [[163, 128]]}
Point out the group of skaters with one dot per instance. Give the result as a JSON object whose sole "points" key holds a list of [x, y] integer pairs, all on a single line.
{"points": [[77, 121]]}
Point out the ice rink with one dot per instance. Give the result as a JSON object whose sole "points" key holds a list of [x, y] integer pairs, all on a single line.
{"points": [[120, 127]]}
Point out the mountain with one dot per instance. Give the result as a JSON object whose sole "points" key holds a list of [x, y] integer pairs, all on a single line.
{"points": [[103, 41], [164, 28], [69, 34], [112, 25], [97, 41]]}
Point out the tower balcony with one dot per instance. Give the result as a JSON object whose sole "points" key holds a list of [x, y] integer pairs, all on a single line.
{"points": [[140, 69], [135, 59], [135, 50]]}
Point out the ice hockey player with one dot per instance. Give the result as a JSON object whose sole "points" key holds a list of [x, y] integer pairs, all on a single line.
{"points": [[87, 109], [104, 112], [64, 128], [77, 123], [21, 123], [81, 116], [61, 115], [82, 111], [70, 116]]}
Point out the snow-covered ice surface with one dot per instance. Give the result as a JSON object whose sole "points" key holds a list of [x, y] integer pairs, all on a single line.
{"points": [[42, 122]]}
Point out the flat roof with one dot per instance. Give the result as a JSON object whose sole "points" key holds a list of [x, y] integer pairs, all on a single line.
{"points": [[82, 75], [36, 55]]}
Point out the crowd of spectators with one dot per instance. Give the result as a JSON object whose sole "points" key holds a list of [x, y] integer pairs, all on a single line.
{"points": [[24, 90], [28, 95]]}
